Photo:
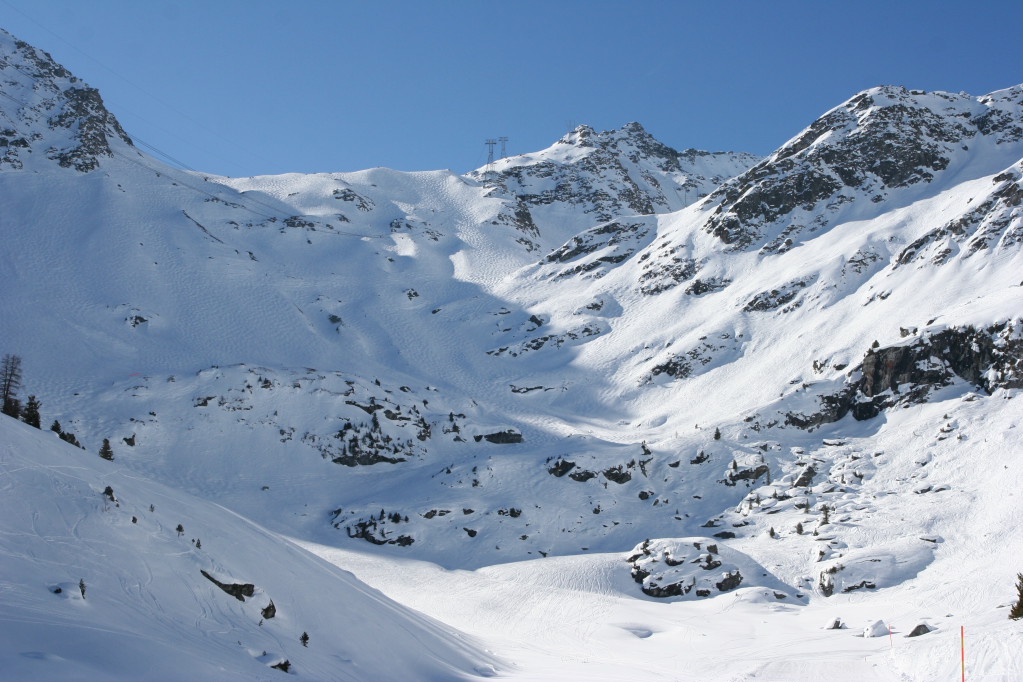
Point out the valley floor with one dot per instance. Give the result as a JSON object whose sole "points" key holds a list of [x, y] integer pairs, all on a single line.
{"points": [[579, 618]]}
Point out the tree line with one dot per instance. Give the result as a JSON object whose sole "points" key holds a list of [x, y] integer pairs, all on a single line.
{"points": [[11, 383]]}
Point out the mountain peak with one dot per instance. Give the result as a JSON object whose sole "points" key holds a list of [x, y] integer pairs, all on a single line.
{"points": [[602, 176], [60, 118], [586, 136], [578, 136], [877, 144]]}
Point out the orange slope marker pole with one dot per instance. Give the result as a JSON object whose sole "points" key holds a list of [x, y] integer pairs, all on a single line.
{"points": [[962, 648]]}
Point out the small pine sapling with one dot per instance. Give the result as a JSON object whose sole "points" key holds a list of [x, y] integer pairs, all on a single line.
{"points": [[106, 452], [304, 639]]}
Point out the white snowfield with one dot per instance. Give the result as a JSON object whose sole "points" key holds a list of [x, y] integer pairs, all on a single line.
{"points": [[100, 585], [520, 403]]}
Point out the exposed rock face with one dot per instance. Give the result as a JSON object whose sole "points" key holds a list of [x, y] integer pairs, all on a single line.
{"points": [[60, 119], [375, 531], [502, 437], [881, 140], [602, 176], [988, 358], [237, 590], [691, 568], [777, 298], [615, 241], [993, 223]]}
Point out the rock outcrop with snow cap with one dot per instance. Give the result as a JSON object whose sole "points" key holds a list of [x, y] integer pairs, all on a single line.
{"points": [[50, 115]]}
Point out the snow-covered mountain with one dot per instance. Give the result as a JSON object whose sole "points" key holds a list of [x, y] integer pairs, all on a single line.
{"points": [[587, 178], [716, 373]]}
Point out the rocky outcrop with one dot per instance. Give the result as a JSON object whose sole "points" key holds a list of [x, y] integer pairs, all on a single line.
{"points": [[777, 298], [506, 437], [693, 568], [988, 358], [61, 118], [611, 244], [237, 590], [995, 222], [881, 140]]}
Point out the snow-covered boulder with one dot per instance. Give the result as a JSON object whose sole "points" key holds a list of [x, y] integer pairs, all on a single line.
{"points": [[696, 567], [876, 629]]}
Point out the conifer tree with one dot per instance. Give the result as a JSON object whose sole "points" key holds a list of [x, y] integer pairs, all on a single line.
{"points": [[106, 452], [1016, 612], [12, 408], [30, 415], [56, 427], [10, 382], [69, 437]]}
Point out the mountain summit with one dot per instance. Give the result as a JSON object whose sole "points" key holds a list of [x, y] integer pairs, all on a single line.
{"points": [[588, 177], [51, 115]]}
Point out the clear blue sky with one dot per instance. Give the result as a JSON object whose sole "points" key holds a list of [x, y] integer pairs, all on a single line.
{"points": [[258, 86]]}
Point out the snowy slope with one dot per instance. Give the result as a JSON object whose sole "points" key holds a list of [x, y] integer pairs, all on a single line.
{"points": [[571, 352], [150, 612]]}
